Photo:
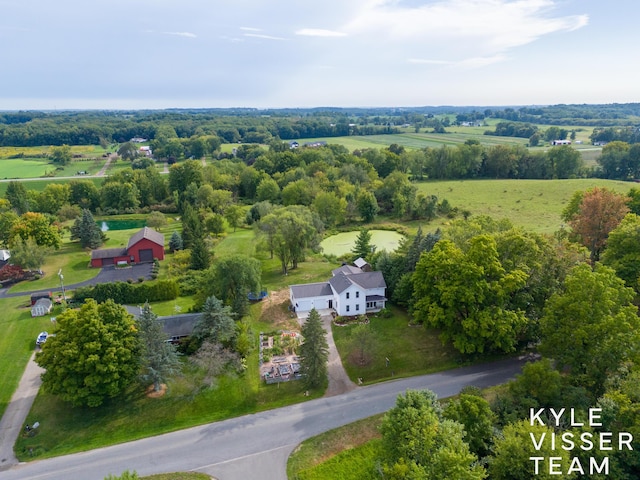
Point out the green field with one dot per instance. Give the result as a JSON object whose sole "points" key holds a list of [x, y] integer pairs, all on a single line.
{"points": [[532, 204], [17, 168], [342, 243]]}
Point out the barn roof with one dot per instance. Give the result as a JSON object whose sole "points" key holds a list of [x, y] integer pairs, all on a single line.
{"points": [[108, 253], [149, 234]]}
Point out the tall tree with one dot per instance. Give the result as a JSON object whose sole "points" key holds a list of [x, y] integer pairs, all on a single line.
{"points": [[87, 231], [467, 296], [314, 352], [623, 250], [93, 356], [367, 206], [231, 278], [475, 414], [156, 220], [418, 443], [234, 215], [363, 248], [37, 226], [17, 195], [128, 151], [591, 328], [28, 254], [159, 359], [216, 323], [600, 211], [200, 256]]}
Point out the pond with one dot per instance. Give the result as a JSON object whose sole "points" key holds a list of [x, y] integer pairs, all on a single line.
{"points": [[343, 242], [107, 225]]}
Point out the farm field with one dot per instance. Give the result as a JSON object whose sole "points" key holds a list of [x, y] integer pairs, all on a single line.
{"points": [[532, 204], [342, 243], [17, 168]]}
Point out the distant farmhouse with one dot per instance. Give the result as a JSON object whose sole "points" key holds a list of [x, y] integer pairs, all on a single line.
{"points": [[353, 290], [561, 142], [143, 247]]}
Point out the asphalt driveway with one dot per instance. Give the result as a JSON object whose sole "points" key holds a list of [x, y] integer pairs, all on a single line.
{"points": [[108, 274]]}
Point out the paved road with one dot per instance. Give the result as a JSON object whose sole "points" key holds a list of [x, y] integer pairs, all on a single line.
{"points": [[253, 446]]}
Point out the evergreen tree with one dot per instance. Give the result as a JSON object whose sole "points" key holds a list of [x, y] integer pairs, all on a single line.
{"points": [[191, 226], [158, 358], [363, 247], [200, 259], [314, 352], [87, 231], [175, 242], [216, 323]]}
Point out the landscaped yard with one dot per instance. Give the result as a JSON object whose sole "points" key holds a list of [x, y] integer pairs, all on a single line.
{"points": [[411, 350]]}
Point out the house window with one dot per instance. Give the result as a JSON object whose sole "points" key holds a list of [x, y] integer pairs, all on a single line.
{"points": [[357, 306], [357, 294], [347, 306], [347, 295]]}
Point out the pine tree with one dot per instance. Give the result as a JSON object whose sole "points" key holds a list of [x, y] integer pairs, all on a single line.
{"points": [[314, 352], [200, 259], [216, 323], [159, 359], [175, 243], [363, 247], [87, 231]]}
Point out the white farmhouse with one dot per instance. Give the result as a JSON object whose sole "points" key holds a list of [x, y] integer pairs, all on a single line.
{"points": [[351, 291]]}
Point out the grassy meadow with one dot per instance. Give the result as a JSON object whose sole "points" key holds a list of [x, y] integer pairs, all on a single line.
{"points": [[531, 204]]}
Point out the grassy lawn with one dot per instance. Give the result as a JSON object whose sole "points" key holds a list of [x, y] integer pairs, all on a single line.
{"points": [[535, 205], [241, 241], [65, 429], [348, 452], [25, 167], [411, 350], [74, 262], [17, 342]]}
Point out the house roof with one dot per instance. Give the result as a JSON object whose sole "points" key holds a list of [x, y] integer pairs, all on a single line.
{"points": [[346, 269], [340, 282], [108, 253], [5, 255], [149, 234], [369, 280], [360, 262], [180, 325], [311, 290]]}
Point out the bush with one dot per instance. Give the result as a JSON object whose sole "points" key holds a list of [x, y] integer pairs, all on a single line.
{"points": [[129, 293]]}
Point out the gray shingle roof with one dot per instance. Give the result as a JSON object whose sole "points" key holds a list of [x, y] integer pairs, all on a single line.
{"points": [[109, 253], [369, 280], [346, 269], [149, 234], [340, 282], [311, 290]]}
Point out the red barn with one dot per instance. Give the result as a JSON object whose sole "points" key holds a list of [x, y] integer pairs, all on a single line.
{"points": [[143, 247]]}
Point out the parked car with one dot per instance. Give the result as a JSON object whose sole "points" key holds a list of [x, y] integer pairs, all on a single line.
{"points": [[41, 338]]}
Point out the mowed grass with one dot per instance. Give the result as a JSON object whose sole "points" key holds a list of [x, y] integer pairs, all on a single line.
{"points": [[39, 184], [532, 204], [411, 350], [17, 168], [65, 429], [17, 342], [348, 452]]}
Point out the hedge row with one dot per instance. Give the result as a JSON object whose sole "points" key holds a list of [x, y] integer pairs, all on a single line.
{"points": [[123, 292]]}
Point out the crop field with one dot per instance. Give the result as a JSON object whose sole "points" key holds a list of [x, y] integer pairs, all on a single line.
{"points": [[532, 204]]}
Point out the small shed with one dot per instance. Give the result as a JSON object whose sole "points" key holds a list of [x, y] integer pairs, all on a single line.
{"points": [[41, 307], [37, 296]]}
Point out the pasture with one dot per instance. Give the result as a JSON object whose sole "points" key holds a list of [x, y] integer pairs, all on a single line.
{"points": [[535, 205], [17, 168]]}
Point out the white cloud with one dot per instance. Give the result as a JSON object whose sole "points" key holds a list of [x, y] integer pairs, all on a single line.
{"points": [[181, 34], [319, 32], [266, 37], [251, 29]]}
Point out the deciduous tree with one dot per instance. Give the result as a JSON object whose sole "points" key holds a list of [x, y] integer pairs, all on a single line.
{"points": [[591, 328], [37, 226], [600, 211], [231, 278], [28, 254], [93, 356]]}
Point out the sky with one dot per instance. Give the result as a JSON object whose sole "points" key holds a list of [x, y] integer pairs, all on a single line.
{"points": [[139, 54]]}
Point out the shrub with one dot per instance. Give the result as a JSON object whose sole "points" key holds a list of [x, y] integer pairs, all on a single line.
{"points": [[129, 293]]}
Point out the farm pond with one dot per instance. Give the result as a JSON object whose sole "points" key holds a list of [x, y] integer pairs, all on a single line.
{"points": [[342, 243]]}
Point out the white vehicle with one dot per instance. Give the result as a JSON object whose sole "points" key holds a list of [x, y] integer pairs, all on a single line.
{"points": [[41, 338]]}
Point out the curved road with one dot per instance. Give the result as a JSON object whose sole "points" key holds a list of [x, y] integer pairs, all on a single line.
{"points": [[258, 445]]}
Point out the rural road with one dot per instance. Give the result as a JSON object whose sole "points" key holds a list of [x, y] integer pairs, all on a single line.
{"points": [[257, 445]]}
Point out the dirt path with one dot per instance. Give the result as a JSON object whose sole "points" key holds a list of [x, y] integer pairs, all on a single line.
{"points": [[103, 170], [16, 413], [339, 381]]}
